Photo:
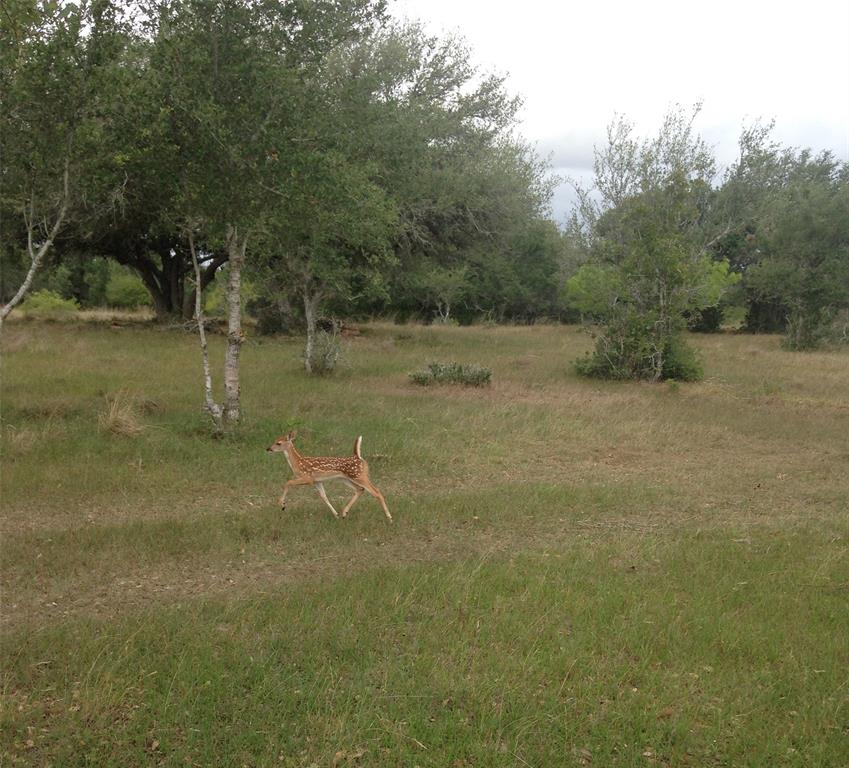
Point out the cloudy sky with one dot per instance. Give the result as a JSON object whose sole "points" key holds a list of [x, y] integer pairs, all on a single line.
{"points": [[576, 64]]}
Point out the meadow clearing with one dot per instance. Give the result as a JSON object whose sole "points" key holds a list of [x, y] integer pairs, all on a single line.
{"points": [[579, 572]]}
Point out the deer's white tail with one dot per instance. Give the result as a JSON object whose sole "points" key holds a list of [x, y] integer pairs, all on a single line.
{"points": [[357, 445]]}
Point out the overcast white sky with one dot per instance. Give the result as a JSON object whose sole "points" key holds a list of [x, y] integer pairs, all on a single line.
{"points": [[576, 64]]}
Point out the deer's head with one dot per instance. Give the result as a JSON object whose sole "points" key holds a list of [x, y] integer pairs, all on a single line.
{"points": [[283, 443]]}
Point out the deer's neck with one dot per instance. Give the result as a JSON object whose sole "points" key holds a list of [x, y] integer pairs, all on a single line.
{"points": [[294, 459]]}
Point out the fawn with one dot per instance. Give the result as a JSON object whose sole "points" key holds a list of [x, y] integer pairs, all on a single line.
{"points": [[315, 470]]}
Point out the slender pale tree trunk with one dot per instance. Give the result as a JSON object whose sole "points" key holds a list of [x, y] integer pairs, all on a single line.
{"points": [[311, 300], [236, 245], [662, 333], [213, 408], [37, 255]]}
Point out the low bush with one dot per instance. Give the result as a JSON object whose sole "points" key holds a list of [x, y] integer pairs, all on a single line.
{"points": [[328, 353], [629, 352], [825, 328], [49, 305], [453, 373]]}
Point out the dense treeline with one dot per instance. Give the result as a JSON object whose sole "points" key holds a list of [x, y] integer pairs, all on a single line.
{"points": [[788, 238], [363, 166], [664, 246], [321, 159]]}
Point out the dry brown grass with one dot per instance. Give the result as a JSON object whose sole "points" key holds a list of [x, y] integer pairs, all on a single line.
{"points": [[105, 315], [20, 439], [122, 416]]}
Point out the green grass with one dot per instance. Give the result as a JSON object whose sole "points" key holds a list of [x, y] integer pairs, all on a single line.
{"points": [[579, 572]]}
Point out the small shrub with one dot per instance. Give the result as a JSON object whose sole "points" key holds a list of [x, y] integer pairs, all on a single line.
{"points": [[422, 378], [328, 353], [121, 416], [453, 373], [49, 305], [630, 353], [806, 331]]}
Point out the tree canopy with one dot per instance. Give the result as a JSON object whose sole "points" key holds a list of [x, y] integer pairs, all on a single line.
{"points": [[343, 144], [648, 233]]}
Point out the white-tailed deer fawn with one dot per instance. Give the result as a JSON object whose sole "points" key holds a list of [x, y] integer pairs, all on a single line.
{"points": [[315, 470]]}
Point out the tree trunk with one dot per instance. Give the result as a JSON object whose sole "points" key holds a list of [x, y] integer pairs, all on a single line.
{"points": [[236, 245], [657, 362], [174, 274], [190, 297], [210, 405], [37, 256], [662, 331], [146, 270], [172, 298], [284, 309], [310, 306]]}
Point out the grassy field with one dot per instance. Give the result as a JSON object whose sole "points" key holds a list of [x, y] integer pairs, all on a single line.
{"points": [[579, 573]]}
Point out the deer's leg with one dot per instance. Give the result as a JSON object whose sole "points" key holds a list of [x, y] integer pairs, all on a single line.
{"points": [[290, 484], [358, 491], [320, 488], [372, 489]]}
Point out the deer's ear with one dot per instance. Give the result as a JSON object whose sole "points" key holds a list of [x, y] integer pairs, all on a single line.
{"points": [[292, 435]]}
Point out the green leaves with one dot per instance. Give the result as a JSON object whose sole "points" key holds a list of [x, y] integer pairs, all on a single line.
{"points": [[795, 253], [595, 289], [649, 263], [351, 149]]}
